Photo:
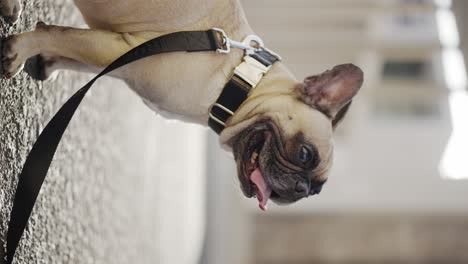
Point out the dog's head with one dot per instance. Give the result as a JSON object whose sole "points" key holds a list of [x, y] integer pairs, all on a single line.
{"points": [[282, 141]]}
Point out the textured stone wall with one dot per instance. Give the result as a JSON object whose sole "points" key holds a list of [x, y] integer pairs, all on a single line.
{"points": [[125, 186]]}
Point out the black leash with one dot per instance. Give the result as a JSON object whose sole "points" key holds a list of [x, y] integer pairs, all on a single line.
{"points": [[38, 161]]}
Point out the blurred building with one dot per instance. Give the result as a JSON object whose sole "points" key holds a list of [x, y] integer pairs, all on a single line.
{"points": [[386, 200]]}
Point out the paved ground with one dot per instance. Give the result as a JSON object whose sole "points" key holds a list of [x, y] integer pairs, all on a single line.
{"points": [[101, 202]]}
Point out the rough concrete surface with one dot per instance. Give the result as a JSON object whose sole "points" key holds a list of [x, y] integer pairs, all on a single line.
{"points": [[121, 189]]}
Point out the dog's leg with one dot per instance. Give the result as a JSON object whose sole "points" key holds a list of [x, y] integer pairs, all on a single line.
{"points": [[10, 10], [96, 48]]}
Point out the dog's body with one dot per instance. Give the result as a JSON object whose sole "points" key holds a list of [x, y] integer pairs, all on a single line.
{"points": [[185, 85], [187, 94]]}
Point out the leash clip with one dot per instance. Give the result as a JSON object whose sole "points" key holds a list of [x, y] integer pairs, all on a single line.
{"points": [[250, 44]]}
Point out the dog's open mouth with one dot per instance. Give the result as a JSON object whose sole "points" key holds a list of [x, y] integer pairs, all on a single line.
{"points": [[258, 183], [254, 182]]}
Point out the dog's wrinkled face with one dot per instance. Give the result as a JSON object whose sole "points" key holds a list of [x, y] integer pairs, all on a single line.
{"points": [[286, 153]]}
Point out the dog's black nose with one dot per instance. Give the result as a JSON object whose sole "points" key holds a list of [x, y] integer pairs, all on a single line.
{"points": [[315, 190]]}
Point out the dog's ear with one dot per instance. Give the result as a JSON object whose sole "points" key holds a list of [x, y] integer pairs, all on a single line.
{"points": [[332, 92]]}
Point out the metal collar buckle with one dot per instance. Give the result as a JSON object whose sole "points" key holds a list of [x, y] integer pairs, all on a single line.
{"points": [[251, 71]]}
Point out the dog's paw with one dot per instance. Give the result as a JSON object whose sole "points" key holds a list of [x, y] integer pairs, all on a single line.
{"points": [[10, 10], [11, 63]]}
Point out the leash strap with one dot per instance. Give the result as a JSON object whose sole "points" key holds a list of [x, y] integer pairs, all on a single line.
{"points": [[40, 157]]}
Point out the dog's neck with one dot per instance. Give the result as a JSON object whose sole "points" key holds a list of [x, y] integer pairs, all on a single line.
{"points": [[278, 81]]}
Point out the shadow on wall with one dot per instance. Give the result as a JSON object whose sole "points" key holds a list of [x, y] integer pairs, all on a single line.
{"points": [[111, 183]]}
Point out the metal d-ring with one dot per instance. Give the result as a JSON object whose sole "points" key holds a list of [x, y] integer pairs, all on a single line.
{"points": [[248, 42]]}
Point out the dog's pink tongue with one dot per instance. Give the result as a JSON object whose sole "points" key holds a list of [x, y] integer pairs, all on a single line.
{"points": [[262, 189]]}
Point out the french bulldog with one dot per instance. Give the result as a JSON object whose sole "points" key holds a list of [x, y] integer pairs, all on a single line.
{"points": [[281, 136]]}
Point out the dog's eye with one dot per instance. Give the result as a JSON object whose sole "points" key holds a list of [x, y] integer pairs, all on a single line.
{"points": [[305, 155]]}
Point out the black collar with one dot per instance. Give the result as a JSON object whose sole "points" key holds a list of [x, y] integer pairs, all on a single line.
{"points": [[245, 77]]}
